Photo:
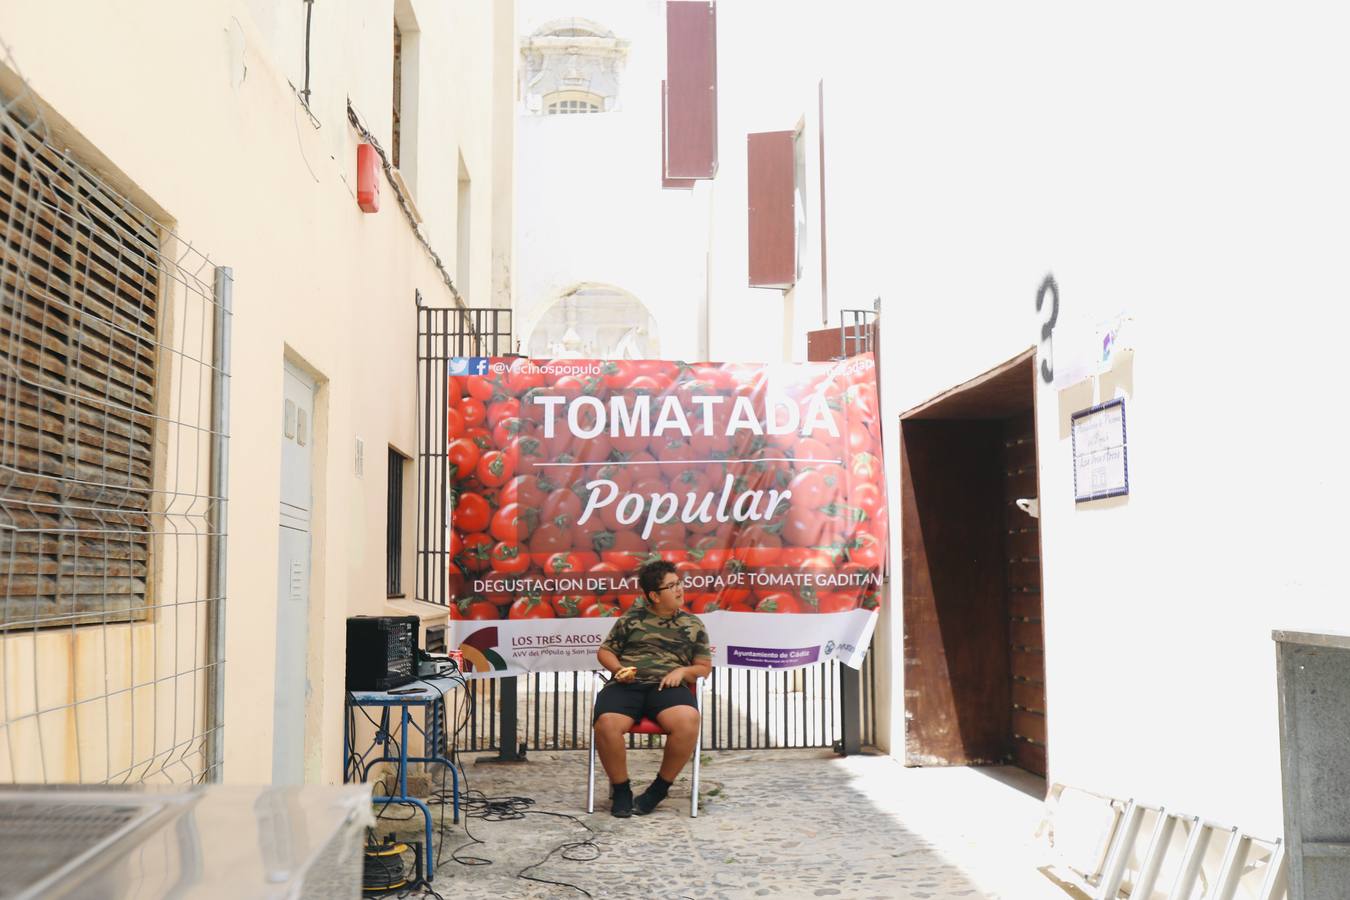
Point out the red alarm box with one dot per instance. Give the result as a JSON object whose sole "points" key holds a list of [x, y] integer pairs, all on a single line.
{"points": [[367, 178]]}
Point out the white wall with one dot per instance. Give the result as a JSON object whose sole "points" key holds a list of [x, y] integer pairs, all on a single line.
{"points": [[593, 209], [1181, 164], [591, 204], [768, 67], [1185, 164]]}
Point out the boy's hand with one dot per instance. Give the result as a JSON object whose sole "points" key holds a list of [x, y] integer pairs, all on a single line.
{"points": [[674, 678], [626, 674]]}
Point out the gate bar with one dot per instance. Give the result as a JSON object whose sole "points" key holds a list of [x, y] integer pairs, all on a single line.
{"points": [[850, 684]]}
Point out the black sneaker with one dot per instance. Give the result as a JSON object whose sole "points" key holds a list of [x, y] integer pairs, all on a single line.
{"points": [[621, 800], [654, 794]]}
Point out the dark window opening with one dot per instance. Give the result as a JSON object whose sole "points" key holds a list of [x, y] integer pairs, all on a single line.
{"points": [[394, 527]]}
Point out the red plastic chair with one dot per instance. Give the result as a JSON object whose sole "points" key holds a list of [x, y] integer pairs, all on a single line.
{"points": [[645, 726]]}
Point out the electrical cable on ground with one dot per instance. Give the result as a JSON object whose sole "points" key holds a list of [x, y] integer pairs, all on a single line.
{"points": [[382, 727], [416, 886], [474, 804], [383, 873], [506, 809], [452, 752], [421, 890]]}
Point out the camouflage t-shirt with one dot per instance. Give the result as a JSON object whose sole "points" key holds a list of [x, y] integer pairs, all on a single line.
{"points": [[655, 645]]}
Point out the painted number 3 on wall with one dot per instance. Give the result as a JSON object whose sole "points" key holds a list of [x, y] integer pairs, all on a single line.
{"points": [[1050, 289]]}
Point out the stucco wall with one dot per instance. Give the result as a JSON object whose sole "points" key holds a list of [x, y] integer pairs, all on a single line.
{"points": [[190, 104]]}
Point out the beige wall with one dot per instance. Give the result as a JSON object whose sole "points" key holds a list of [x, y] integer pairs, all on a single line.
{"points": [[200, 125]]}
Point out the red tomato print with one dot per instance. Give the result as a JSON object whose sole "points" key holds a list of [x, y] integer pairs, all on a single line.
{"points": [[471, 512], [473, 410], [463, 455], [693, 463], [510, 558], [477, 555], [494, 468]]}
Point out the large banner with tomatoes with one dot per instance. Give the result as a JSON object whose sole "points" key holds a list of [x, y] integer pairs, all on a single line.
{"points": [[762, 484]]}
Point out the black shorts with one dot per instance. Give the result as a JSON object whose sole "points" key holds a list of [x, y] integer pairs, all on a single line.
{"points": [[641, 700]]}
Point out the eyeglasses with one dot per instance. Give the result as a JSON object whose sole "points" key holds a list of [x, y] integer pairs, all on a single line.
{"points": [[669, 587]]}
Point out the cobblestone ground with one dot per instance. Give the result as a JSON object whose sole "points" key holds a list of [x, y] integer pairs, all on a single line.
{"points": [[778, 823]]}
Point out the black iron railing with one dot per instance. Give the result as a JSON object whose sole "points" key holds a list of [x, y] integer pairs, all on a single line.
{"points": [[743, 709]]}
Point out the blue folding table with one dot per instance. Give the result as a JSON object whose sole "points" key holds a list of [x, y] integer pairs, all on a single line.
{"points": [[433, 691]]}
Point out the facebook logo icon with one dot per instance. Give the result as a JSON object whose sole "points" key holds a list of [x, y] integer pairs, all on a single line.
{"points": [[468, 365]]}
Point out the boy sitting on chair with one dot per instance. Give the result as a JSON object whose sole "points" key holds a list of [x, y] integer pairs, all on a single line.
{"points": [[655, 652]]}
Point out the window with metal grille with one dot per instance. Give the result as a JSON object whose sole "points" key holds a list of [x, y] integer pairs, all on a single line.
{"points": [[573, 103], [394, 528], [79, 295]]}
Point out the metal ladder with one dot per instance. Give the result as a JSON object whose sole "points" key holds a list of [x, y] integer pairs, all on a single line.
{"points": [[1200, 833]]}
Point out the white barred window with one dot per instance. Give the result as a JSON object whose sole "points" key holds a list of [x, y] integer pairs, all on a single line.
{"points": [[565, 103]]}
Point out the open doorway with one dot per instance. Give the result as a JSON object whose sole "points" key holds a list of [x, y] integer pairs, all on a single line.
{"points": [[974, 651]]}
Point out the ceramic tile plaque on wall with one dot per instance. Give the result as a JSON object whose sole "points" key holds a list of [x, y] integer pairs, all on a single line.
{"points": [[1100, 465]]}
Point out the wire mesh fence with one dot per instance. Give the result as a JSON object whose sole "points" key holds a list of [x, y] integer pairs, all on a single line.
{"points": [[113, 392]]}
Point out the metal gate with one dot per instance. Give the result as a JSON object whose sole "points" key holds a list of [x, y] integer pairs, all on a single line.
{"points": [[443, 333], [825, 705], [743, 709]]}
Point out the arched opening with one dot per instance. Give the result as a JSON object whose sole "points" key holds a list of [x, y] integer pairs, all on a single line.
{"points": [[563, 103], [595, 321]]}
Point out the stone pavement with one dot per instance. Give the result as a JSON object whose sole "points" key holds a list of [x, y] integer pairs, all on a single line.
{"points": [[773, 823]]}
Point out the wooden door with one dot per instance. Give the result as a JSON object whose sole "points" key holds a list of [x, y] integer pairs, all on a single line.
{"points": [[971, 574], [953, 602]]}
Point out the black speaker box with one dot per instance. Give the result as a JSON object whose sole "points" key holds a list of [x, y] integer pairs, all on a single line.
{"points": [[381, 652]]}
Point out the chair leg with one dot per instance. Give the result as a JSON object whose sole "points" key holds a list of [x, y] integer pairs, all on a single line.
{"points": [[693, 791], [698, 752], [590, 777]]}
